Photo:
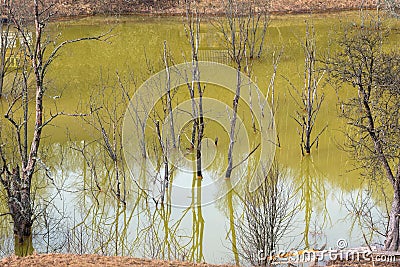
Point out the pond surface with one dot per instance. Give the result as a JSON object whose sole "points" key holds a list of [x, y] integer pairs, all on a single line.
{"points": [[90, 216]]}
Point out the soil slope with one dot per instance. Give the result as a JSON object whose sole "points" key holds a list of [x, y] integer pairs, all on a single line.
{"points": [[91, 7], [72, 260]]}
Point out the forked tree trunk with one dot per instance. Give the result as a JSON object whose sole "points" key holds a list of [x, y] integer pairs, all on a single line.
{"points": [[193, 32], [392, 239]]}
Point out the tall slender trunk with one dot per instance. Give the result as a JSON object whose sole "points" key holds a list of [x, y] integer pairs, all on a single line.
{"points": [[200, 136], [233, 124], [165, 181], [169, 98], [200, 125], [309, 105], [193, 20], [311, 88], [265, 26]]}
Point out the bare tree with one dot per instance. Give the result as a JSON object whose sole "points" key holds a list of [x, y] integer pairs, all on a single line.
{"points": [[258, 19], [18, 166], [271, 90], [372, 114], [192, 29], [235, 35], [8, 40], [168, 94], [308, 99], [164, 141]]}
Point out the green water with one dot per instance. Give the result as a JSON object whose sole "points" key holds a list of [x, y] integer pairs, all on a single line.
{"points": [[101, 224]]}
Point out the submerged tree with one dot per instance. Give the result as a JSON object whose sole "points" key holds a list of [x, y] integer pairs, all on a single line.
{"points": [[235, 34], [192, 29], [240, 29], [308, 99], [19, 150], [372, 113], [258, 18]]}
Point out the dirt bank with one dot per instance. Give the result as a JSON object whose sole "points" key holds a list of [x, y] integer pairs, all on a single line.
{"points": [[175, 7], [71, 260]]}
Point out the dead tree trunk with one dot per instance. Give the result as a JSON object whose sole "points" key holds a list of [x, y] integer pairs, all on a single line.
{"points": [[19, 204], [258, 19], [308, 99], [193, 31], [18, 186], [22, 162], [169, 98], [165, 180], [235, 31], [200, 132], [235, 104]]}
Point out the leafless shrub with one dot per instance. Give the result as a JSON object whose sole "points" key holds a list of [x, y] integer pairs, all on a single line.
{"points": [[308, 99]]}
